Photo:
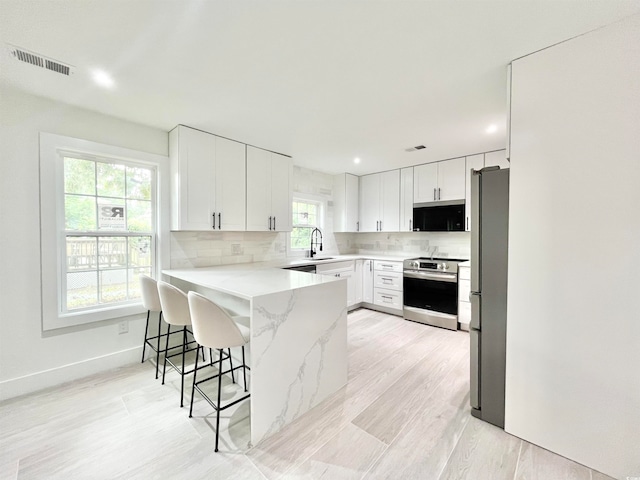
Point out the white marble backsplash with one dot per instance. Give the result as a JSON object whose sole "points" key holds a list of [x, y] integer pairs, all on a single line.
{"points": [[436, 244]]}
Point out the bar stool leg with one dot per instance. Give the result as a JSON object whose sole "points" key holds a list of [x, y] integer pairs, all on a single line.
{"points": [[158, 349], [146, 332], [193, 387], [218, 404], [244, 369], [233, 377], [166, 349], [184, 347]]}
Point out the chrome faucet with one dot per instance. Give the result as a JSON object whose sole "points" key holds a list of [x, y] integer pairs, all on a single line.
{"points": [[314, 241]]}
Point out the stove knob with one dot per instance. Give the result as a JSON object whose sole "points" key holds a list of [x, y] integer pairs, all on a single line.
{"points": [[443, 266], [414, 264]]}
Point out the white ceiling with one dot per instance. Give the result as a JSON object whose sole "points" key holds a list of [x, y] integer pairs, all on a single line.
{"points": [[323, 82]]}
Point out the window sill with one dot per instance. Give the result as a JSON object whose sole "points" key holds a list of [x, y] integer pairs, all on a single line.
{"points": [[82, 318]]}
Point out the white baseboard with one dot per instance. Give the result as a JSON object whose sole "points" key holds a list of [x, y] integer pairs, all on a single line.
{"points": [[65, 373]]}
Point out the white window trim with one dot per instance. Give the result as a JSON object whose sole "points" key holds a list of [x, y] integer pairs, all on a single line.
{"points": [[52, 239], [306, 197]]}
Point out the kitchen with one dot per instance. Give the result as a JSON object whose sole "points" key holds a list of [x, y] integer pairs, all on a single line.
{"points": [[80, 349]]}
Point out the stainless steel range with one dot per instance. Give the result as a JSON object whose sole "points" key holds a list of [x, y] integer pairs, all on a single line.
{"points": [[431, 291]]}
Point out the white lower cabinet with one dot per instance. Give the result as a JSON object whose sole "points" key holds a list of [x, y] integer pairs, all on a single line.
{"points": [[388, 298], [464, 288], [367, 281], [387, 285], [344, 269]]}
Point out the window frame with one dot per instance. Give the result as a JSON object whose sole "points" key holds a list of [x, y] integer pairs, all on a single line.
{"points": [[305, 198], [53, 149]]}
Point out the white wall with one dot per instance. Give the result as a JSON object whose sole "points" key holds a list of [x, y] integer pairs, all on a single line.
{"points": [[29, 358], [573, 338]]}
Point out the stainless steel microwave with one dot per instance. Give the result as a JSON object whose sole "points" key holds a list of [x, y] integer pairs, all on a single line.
{"points": [[438, 218]]}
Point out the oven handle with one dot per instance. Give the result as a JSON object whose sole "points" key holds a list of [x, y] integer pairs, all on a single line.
{"points": [[440, 277]]}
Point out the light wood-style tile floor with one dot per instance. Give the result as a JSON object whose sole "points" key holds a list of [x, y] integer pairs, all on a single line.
{"points": [[403, 415]]}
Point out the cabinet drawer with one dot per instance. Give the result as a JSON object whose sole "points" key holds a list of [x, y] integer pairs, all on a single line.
{"points": [[464, 313], [387, 266], [464, 287], [387, 298], [464, 273], [389, 280]]}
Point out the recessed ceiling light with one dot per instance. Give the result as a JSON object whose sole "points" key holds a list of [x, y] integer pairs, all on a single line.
{"points": [[102, 78], [356, 160], [493, 128]]}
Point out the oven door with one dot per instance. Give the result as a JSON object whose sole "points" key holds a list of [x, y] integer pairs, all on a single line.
{"points": [[437, 292]]}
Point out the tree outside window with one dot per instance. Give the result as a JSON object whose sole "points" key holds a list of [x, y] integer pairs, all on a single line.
{"points": [[305, 218], [109, 232]]}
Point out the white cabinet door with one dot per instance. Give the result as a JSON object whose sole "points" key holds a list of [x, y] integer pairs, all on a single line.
{"points": [[390, 280], [281, 172], [425, 183], [474, 162], [193, 157], [388, 298], [406, 199], [345, 203], [358, 281], [367, 281], [351, 286], [230, 204], [352, 196], [496, 159], [451, 179], [370, 203], [258, 189], [390, 201]]}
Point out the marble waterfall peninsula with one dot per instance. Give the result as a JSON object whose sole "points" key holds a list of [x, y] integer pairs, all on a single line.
{"points": [[298, 346]]}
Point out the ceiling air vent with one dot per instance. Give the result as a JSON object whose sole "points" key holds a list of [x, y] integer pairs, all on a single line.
{"points": [[413, 149], [38, 60]]}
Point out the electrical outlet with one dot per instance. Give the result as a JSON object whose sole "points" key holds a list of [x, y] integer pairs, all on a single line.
{"points": [[236, 249], [123, 327]]}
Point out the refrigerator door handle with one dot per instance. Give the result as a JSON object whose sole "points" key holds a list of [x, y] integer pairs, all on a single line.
{"points": [[474, 336], [475, 299]]}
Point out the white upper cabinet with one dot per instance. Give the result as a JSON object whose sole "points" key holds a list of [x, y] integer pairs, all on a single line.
{"points": [[406, 199], [230, 185], [268, 191], [439, 181], [380, 202], [207, 181], [496, 159], [425, 183], [474, 162], [345, 203]]}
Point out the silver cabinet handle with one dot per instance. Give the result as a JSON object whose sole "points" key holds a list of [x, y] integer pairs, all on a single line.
{"points": [[380, 225], [269, 223], [274, 223], [214, 220], [467, 223], [358, 226], [371, 265], [438, 193], [410, 226], [219, 221], [434, 193]]}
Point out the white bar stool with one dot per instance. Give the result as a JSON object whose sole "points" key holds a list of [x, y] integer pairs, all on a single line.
{"points": [[175, 308], [214, 328], [151, 301]]}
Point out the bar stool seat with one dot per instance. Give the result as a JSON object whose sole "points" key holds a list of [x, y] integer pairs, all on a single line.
{"points": [[175, 309], [214, 328], [151, 301]]}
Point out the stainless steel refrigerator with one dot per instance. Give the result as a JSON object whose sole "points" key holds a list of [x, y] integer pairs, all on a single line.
{"points": [[488, 328]]}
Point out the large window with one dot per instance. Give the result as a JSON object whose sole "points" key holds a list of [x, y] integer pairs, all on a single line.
{"points": [[306, 217], [100, 218], [109, 231]]}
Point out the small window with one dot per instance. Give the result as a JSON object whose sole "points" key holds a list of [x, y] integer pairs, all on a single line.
{"points": [[306, 217]]}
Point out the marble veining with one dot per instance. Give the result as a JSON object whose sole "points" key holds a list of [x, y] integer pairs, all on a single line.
{"points": [[273, 324]]}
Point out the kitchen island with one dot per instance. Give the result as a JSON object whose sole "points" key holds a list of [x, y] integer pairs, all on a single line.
{"points": [[298, 324]]}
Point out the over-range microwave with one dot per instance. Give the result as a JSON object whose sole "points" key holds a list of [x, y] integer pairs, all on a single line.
{"points": [[438, 218]]}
